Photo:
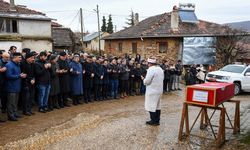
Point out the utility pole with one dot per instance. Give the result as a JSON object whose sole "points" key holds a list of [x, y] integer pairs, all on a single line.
{"points": [[81, 19], [99, 34]]}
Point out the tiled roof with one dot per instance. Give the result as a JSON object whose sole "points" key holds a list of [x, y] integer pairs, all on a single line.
{"points": [[90, 37], [5, 8], [160, 26], [62, 37]]}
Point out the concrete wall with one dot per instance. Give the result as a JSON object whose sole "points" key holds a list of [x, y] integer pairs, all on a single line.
{"points": [[35, 28], [5, 45], [94, 45], [37, 45], [146, 48]]}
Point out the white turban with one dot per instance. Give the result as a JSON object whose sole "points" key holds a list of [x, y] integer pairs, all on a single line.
{"points": [[151, 60]]}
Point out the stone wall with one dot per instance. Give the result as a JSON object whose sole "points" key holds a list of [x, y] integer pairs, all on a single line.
{"points": [[145, 47]]}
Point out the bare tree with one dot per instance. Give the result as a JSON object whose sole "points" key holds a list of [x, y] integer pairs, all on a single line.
{"points": [[229, 46]]}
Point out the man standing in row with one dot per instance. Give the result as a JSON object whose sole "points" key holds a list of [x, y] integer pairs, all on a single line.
{"points": [[28, 84], [13, 85], [154, 89], [64, 79], [43, 81]]}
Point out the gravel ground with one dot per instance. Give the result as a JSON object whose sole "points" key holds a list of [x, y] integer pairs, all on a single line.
{"points": [[115, 124]]}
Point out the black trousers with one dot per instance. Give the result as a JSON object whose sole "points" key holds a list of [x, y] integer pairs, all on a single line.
{"points": [[87, 94], [131, 86], [155, 116], [63, 99], [3, 97], [105, 88], [97, 91], [12, 104], [28, 94], [166, 85]]}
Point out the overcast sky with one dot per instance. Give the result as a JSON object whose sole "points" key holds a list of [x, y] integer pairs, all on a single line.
{"points": [[66, 12]]}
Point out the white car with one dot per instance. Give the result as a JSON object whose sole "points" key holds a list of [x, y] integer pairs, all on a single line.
{"points": [[237, 74]]}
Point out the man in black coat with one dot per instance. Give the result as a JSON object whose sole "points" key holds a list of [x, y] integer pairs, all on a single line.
{"points": [[131, 67], [28, 92], [63, 79], [98, 79], [89, 74], [3, 94], [105, 83], [42, 73]]}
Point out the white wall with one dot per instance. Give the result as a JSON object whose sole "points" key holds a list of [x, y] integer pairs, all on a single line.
{"points": [[37, 45], [5, 45], [94, 45], [35, 28]]}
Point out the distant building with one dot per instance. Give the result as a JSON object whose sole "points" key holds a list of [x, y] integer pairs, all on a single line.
{"points": [[91, 41], [174, 35], [63, 38], [24, 28]]}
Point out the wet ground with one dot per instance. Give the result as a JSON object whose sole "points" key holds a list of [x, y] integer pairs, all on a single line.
{"points": [[117, 124]]}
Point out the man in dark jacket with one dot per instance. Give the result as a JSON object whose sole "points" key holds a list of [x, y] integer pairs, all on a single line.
{"points": [[98, 79], [105, 83], [28, 83], [43, 81], [64, 79], [114, 76], [88, 78], [144, 67], [179, 69], [131, 78], [3, 94], [13, 85]]}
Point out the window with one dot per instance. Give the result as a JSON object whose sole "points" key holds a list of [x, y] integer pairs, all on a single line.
{"points": [[8, 25], [247, 71], [163, 46], [134, 48], [120, 47]]}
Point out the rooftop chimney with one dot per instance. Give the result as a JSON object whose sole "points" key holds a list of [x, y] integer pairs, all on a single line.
{"points": [[12, 5], [175, 19], [136, 21]]}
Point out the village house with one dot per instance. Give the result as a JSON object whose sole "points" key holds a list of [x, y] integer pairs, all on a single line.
{"points": [[174, 35], [91, 41], [64, 39], [24, 28]]}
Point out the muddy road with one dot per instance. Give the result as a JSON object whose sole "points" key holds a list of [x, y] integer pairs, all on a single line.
{"points": [[115, 124]]}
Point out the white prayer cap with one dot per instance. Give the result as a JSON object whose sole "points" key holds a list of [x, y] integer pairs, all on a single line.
{"points": [[151, 60]]}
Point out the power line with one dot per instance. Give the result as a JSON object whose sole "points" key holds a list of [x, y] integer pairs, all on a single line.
{"points": [[58, 11], [91, 11], [73, 19]]}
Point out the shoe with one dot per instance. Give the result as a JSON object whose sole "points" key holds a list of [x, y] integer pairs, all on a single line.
{"points": [[32, 113], [18, 116], [46, 109], [66, 105], [3, 111], [179, 89], [78, 102], [2, 121], [12, 119], [42, 110], [152, 123], [27, 114], [56, 107]]}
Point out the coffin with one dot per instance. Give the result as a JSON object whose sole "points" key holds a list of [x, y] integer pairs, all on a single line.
{"points": [[209, 94]]}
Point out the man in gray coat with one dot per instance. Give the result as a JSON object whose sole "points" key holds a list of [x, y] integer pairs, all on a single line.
{"points": [[154, 89]]}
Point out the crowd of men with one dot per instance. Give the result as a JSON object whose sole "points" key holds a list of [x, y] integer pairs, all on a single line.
{"points": [[52, 80]]}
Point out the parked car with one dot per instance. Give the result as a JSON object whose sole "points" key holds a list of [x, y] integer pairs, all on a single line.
{"points": [[237, 74]]}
